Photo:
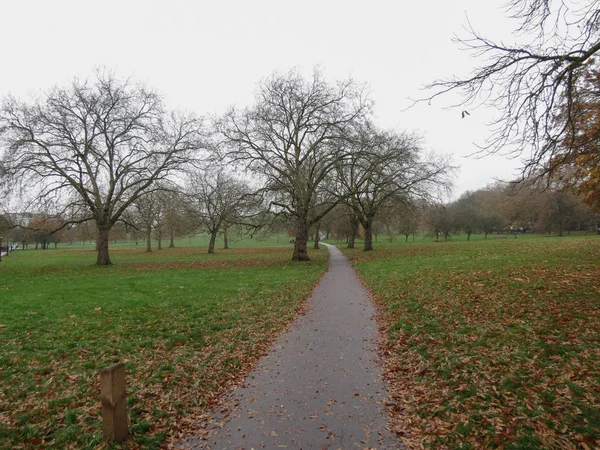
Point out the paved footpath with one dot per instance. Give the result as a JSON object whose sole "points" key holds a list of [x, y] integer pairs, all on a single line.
{"points": [[320, 385]]}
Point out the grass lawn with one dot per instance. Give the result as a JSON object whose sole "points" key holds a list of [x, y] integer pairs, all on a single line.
{"points": [[188, 325], [492, 344], [198, 240]]}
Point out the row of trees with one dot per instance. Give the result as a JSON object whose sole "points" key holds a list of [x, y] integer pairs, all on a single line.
{"points": [[513, 208], [219, 204], [534, 206], [92, 150], [107, 151]]}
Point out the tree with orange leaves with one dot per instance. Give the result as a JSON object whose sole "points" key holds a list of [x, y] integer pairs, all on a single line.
{"points": [[581, 117]]}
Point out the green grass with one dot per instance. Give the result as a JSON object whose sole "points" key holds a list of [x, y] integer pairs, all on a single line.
{"points": [[186, 324], [491, 343], [198, 240]]}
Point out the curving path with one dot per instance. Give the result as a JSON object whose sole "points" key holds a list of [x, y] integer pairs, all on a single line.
{"points": [[320, 386]]}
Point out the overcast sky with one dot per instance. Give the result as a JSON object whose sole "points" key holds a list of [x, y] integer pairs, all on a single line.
{"points": [[205, 56]]}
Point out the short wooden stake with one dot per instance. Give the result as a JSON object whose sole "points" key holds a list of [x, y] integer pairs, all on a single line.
{"points": [[114, 402]]}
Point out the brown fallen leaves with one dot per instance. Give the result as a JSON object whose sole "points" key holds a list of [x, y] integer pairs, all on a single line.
{"points": [[492, 345], [182, 351]]}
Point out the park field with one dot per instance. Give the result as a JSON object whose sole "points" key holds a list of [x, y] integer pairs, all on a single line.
{"points": [[490, 343], [188, 326]]}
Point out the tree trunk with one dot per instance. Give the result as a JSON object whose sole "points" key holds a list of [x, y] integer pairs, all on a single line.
{"points": [[368, 226], [211, 243], [406, 236], [350, 240], [159, 246], [225, 238], [300, 250], [353, 233], [102, 246], [172, 240], [468, 236], [148, 239], [317, 225]]}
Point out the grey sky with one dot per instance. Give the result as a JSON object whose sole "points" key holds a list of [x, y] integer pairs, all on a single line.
{"points": [[205, 56]]}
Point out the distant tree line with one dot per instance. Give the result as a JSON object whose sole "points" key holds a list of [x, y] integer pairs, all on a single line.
{"points": [[544, 86], [535, 206], [222, 205], [102, 160], [106, 152]]}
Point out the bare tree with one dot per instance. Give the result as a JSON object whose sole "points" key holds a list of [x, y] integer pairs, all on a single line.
{"points": [[292, 138], [408, 219], [530, 81], [466, 210], [547, 204], [149, 211], [218, 200], [561, 210], [440, 220], [489, 203], [388, 167], [93, 148], [175, 221], [351, 225]]}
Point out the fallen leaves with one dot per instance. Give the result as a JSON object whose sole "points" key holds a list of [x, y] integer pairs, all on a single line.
{"points": [[182, 350], [501, 349]]}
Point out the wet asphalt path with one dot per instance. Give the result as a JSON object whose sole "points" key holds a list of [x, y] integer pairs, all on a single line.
{"points": [[320, 385]]}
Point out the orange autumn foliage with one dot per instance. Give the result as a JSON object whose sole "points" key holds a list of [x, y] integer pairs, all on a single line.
{"points": [[583, 138]]}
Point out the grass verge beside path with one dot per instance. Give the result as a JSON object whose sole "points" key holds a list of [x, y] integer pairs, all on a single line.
{"points": [[187, 325], [491, 344]]}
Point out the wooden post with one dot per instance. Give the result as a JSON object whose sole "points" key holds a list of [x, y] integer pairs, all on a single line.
{"points": [[114, 402]]}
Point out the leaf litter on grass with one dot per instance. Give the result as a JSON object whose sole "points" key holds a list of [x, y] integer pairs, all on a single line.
{"points": [[500, 350], [186, 336]]}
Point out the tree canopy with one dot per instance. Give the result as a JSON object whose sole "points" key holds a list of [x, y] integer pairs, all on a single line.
{"points": [[88, 150], [293, 137], [388, 168], [581, 119], [531, 79]]}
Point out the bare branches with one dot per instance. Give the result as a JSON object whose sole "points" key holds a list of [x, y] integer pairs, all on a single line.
{"points": [[293, 138], [217, 200], [104, 143], [527, 82], [388, 169]]}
